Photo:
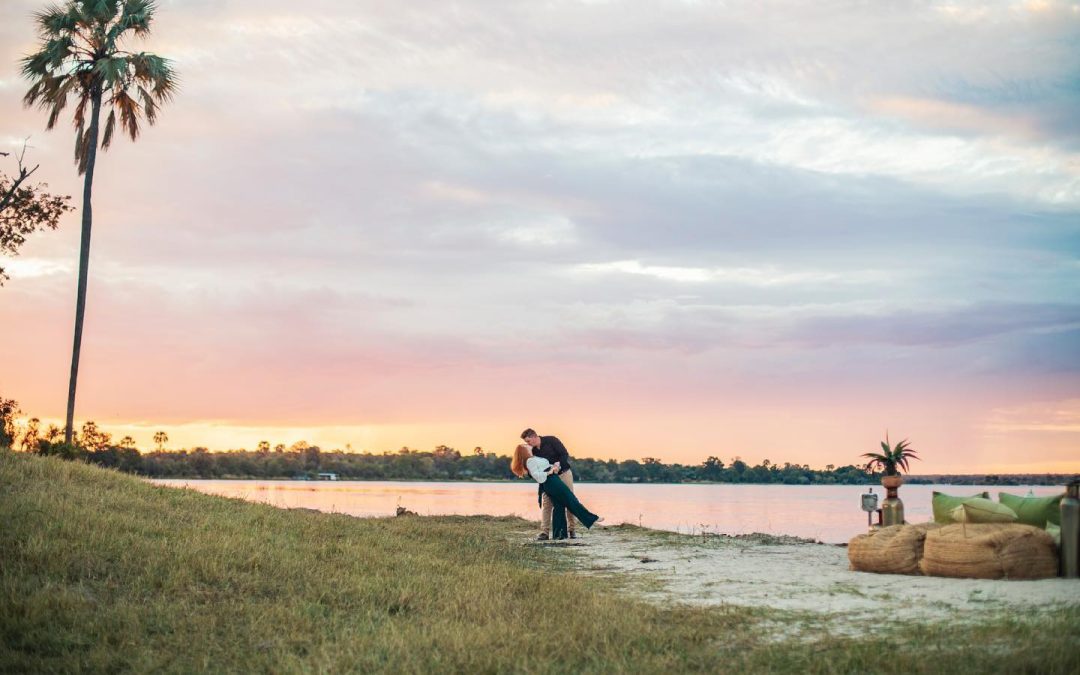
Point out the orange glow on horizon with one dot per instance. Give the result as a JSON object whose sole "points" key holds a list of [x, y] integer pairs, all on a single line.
{"points": [[1056, 455]]}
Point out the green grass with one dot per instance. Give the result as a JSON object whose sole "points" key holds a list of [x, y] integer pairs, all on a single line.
{"points": [[104, 572]]}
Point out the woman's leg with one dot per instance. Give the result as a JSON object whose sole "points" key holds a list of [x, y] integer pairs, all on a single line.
{"points": [[558, 521], [562, 497]]}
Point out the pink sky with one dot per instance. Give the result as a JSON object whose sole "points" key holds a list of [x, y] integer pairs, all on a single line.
{"points": [[767, 232]]}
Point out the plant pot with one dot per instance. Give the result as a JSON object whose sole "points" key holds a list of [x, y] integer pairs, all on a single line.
{"points": [[892, 509], [892, 482]]}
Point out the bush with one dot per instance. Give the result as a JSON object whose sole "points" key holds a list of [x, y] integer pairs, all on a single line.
{"points": [[61, 450]]}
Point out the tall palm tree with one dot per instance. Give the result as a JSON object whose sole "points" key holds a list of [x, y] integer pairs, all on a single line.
{"points": [[81, 56]]}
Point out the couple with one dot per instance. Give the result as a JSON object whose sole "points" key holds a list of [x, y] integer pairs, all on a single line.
{"points": [[546, 460]]}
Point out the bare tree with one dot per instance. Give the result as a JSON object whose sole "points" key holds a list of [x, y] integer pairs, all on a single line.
{"points": [[32, 436], [25, 208]]}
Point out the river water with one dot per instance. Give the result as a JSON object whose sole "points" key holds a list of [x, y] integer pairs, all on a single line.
{"points": [[829, 513]]}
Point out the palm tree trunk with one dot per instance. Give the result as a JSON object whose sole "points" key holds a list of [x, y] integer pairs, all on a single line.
{"points": [[84, 258]]}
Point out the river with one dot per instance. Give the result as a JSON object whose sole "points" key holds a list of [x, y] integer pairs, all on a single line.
{"points": [[829, 513]]}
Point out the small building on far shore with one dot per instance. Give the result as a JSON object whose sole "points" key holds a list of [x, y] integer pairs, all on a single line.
{"points": [[327, 475]]}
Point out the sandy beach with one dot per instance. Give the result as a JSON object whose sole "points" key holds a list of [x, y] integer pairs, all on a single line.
{"points": [[811, 580]]}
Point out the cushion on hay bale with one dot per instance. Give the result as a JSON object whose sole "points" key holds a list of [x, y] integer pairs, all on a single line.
{"points": [[891, 550], [989, 551], [944, 505], [1037, 511], [979, 510]]}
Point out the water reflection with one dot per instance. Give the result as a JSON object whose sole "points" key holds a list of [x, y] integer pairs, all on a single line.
{"points": [[827, 512]]}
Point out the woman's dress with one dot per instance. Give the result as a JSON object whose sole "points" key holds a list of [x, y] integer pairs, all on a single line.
{"points": [[561, 497]]}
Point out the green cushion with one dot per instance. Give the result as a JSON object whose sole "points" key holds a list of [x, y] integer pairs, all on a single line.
{"points": [[1037, 511], [979, 510], [944, 505], [1055, 532]]}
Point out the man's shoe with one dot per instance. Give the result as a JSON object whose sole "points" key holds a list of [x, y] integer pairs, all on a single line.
{"points": [[573, 535], [543, 536]]}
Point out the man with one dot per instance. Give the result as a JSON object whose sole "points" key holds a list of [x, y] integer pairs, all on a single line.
{"points": [[552, 449]]}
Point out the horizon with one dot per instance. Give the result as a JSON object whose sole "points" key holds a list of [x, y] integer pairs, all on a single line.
{"points": [[779, 229], [727, 458]]}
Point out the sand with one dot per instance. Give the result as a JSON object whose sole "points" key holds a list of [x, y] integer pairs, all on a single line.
{"points": [[807, 579]]}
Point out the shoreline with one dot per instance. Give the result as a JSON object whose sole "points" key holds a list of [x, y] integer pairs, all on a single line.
{"points": [[810, 581], [829, 514], [497, 481]]}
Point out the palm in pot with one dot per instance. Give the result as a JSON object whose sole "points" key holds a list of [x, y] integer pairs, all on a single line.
{"points": [[890, 461]]}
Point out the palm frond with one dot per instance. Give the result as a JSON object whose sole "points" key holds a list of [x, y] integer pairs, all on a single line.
{"points": [[110, 125], [103, 11], [35, 65], [59, 102], [54, 20], [78, 16], [112, 70], [153, 70], [129, 113], [78, 54], [80, 111], [59, 51], [80, 130], [82, 151], [32, 94], [136, 17], [149, 107]]}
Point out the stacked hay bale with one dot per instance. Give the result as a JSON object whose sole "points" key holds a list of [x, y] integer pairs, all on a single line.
{"points": [[989, 551], [896, 549], [972, 537]]}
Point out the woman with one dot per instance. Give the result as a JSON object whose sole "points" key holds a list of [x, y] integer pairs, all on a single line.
{"points": [[546, 474]]}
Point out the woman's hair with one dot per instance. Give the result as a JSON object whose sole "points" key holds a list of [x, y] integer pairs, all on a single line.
{"points": [[517, 464]]}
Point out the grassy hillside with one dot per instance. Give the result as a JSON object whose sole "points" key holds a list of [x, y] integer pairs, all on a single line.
{"points": [[104, 572]]}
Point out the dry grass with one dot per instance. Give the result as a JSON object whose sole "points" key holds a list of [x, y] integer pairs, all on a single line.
{"points": [[105, 572]]}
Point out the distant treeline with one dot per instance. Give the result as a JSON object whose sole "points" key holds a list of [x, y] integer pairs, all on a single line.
{"points": [[443, 463], [304, 461]]}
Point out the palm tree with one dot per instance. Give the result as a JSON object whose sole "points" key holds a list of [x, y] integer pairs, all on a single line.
{"points": [[81, 57]]}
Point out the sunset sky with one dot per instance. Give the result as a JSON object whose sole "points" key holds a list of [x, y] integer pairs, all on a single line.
{"points": [[667, 229]]}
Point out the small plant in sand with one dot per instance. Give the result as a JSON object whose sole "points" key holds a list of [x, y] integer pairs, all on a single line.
{"points": [[892, 458]]}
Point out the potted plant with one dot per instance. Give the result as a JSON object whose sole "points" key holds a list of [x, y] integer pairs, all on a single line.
{"points": [[890, 460]]}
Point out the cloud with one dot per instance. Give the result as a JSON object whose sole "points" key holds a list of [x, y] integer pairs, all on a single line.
{"points": [[1040, 416], [936, 328], [370, 213], [988, 335], [767, 276]]}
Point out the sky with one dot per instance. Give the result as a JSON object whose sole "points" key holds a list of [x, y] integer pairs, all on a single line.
{"points": [[654, 229]]}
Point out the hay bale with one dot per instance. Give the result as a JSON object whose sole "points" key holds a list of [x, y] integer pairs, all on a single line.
{"points": [[896, 549], [989, 551]]}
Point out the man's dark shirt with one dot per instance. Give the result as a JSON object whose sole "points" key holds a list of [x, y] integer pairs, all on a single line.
{"points": [[553, 450]]}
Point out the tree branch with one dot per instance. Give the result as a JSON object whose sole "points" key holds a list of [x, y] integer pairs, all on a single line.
{"points": [[6, 198]]}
